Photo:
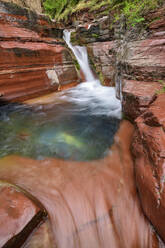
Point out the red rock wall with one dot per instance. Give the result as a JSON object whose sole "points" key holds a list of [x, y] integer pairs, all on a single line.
{"points": [[144, 104], [33, 59]]}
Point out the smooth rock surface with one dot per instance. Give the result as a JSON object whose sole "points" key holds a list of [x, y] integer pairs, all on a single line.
{"points": [[19, 216], [90, 204]]}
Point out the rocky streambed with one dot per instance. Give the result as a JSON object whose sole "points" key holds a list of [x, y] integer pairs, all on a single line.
{"points": [[115, 201]]}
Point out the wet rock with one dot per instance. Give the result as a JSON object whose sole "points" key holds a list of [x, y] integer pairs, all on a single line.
{"points": [[137, 96], [102, 55], [19, 216], [42, 237], [90, 204], [34, 60]]}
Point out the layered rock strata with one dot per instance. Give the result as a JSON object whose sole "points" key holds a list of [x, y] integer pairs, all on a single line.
{"points": [[118, 51], [34, 60], [135, 56], [143, 69]]}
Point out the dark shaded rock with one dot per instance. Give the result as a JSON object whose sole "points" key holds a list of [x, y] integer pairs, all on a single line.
{"points": [[96, 31], [102, 55], [155, 114], [42, 237]]}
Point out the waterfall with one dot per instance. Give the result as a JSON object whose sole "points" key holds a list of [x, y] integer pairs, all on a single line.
{"points": [[81, 56], [91, 96]]}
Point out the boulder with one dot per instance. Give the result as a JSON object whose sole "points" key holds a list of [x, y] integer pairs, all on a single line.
{"points": [[137, 96]]}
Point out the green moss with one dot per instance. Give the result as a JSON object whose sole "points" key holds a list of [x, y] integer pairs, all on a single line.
{"points": [[77, 65], [95, 35], [162, 90], [101, 77], [133, 10]]}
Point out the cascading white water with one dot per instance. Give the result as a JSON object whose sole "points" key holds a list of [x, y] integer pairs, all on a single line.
{"points": [[91, 95], [81, 56]]}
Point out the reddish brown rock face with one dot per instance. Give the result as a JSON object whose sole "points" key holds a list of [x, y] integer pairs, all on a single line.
{"points": [[19, 216], [137, 96], [103, 56], [33, 60], [149, 153], [145, 60], [90, 204]]}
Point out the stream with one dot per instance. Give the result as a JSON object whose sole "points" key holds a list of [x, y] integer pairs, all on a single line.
{"points": [[74, 156], [79, 125]]}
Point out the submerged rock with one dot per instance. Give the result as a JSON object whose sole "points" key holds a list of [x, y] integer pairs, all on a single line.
{"points": [[90, 204]]}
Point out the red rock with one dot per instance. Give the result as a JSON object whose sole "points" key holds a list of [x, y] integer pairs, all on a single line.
{"points": [[149, 155], [155, 114], [137, 96], [90, 204], [19, 216], [103, 56], [144, 60], [149, 170], [156, 20], [42, 237], [33, 61]]}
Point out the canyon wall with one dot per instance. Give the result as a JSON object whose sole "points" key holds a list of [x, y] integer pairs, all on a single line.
{"points": [[34, 59], [135, 57]]}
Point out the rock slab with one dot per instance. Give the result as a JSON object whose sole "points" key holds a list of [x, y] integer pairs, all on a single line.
{"points": [[19, 216]]}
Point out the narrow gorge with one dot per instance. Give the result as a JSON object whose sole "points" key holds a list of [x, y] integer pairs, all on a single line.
{"points": [[81, 151]]}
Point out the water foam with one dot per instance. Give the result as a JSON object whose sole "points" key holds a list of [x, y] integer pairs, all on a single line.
{"points": [[91, 95]]}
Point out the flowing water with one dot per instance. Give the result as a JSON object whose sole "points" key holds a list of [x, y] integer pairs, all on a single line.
{"points": [[80, 125], [91, 204]]}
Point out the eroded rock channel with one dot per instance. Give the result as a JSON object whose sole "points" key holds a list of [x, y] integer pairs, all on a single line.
{"points": [[73, 174]]}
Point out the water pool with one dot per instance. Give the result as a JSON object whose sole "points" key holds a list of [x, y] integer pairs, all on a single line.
{"points": [[57, 130]]}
